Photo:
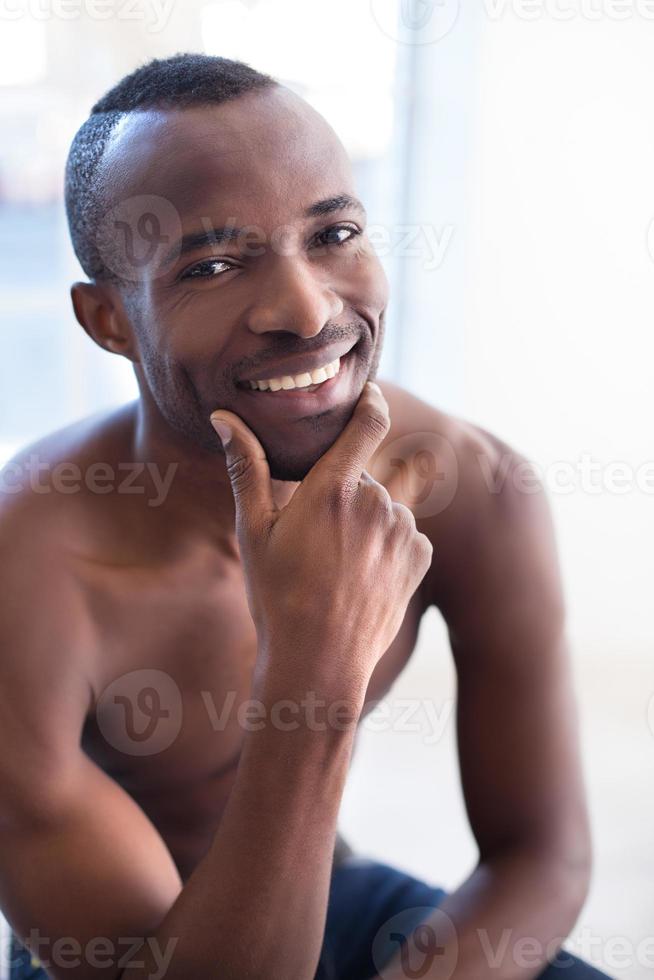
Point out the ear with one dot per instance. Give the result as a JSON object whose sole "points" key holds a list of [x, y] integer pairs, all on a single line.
{"points": [[103, 317]]}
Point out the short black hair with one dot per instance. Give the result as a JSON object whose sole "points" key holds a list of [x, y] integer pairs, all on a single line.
{"points": [[177, 82]]}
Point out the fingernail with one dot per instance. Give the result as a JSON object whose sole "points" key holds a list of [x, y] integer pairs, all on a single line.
{"points": [[375, 387], [223, 429]]}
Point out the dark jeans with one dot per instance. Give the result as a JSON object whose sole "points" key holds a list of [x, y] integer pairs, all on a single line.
{"points": [[371, 908]]}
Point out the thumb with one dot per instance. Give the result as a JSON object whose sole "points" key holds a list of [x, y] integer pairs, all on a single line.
{"points": [[248, 471]]}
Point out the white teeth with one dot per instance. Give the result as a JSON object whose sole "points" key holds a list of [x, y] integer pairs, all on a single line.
{"points": [[287, 382], [319, 375]]}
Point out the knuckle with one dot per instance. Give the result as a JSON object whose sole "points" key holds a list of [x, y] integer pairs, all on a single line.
{"points": [[378, 496], [423, 547], [377, 422], [404, 516], [241, 473]]}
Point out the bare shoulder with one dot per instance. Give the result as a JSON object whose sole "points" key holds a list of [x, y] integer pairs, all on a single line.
{"points": [[43, 494], [413, 415], [45, 522], [457, 461], [44, 487], [471, 493]]}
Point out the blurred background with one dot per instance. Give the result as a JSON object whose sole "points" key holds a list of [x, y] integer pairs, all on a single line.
{"points": [[505, 153]]}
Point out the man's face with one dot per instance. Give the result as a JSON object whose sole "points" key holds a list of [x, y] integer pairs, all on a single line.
{"points": [[288, 291]]}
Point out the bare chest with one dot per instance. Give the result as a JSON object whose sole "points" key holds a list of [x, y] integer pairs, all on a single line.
{"points": [[173, 695]]}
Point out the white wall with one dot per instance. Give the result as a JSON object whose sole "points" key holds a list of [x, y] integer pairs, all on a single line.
{"points": [[534, 142], [559, 339]]}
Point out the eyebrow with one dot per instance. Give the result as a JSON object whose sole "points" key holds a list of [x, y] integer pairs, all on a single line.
{"points": [[195, 240], [330, 204]]}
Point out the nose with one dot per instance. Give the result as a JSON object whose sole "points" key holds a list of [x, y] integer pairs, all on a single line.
{"points": [[293, 298]]}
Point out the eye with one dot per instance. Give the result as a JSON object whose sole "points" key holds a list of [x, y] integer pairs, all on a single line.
{"points": [[330, 235], [207, 268]]}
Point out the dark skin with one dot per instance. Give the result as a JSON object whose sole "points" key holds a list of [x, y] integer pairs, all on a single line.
{"points": [[223, 840]]}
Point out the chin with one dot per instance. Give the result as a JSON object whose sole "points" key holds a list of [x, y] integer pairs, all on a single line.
{"points": [[291, 470], [291, 458]]}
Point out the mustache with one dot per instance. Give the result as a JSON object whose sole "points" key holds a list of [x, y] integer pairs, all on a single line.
{"points": [[288, 348]]}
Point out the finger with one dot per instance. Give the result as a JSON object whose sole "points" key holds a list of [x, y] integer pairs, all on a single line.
{"points": [[404, 514], [344, 462], [248, 471]]}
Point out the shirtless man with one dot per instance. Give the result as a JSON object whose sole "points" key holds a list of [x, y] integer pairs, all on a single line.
{"points": [[288, 570]]}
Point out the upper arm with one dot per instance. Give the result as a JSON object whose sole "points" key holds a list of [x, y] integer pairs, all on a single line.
{"points": [[78, 857], [499, 589]]}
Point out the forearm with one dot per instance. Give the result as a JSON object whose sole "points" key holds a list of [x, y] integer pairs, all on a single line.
{"points": [[507, 921], [255, 906]]}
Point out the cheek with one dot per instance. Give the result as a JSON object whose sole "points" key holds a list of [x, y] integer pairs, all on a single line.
{"points": [[365, 285], [192, 333]]}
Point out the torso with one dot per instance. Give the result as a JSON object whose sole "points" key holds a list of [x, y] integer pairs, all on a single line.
{"points": [[202, 636], [189, 620]]}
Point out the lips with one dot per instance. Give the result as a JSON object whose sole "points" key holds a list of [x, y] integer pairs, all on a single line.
{"points": [[299, 364]]}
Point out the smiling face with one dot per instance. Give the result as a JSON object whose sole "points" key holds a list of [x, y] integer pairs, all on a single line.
{"points": [[260, 269]]}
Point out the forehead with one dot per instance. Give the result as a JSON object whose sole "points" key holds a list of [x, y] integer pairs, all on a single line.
{"points": [[261, 157]]}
